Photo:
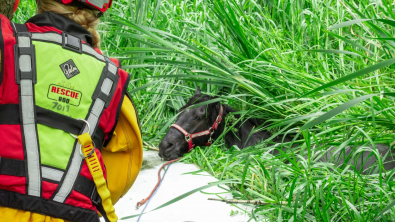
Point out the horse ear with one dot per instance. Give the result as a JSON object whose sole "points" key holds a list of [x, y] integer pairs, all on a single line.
{"points": [[198, 92]]}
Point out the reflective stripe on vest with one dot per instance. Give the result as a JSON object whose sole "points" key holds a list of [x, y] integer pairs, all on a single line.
{"points": [[25, 77], [51, 174]]}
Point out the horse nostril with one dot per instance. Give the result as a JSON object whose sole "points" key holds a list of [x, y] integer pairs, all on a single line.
{"points": [[169, 145]]}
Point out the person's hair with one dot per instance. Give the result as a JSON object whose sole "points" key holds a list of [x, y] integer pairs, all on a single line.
{"points": [[83, 16]]}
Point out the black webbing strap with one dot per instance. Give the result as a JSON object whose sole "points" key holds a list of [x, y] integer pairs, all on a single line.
{"points": [[9, 115], [20, 28], [12, 167], [102, 212], [58, 121], [88, 188]]}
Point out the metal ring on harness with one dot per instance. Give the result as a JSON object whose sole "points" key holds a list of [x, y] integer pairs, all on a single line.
{"points": [[86, 122], [90, 154], [80, 148], [188, 137]]}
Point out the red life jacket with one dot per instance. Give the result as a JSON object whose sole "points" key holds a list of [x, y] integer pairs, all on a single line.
{"points": [[31, 131]]}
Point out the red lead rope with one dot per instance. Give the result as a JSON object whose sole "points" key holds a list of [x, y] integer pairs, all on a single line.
{"points": [[210, 131], [139, 204]]}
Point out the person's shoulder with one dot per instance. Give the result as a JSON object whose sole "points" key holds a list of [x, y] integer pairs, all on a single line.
{"points": [[2, 17], [116, 62], [113, 60], [5, 23]]}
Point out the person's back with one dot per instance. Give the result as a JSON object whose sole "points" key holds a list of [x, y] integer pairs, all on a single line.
{"points": [[55, 85]]}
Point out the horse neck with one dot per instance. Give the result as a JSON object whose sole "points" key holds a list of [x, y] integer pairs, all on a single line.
{"points": [[245, 135]]}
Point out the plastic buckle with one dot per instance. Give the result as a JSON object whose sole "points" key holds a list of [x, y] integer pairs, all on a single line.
{"points": [[211, 131], [71, 42], [95, 197]]}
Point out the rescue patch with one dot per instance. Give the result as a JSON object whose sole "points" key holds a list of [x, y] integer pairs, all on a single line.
{"points": [[64, 95], [69, 69]]}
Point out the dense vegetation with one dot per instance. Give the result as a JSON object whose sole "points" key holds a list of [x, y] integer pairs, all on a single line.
{"points": [[317, 70]]}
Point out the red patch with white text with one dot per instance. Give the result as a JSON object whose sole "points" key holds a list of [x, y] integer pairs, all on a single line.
{"points": [[64, 95]]}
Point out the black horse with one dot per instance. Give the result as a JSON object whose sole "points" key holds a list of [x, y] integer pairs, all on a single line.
{"points": [[201, 118], [198, 119]]}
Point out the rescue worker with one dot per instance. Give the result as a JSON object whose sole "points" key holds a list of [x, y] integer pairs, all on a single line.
{"points": [[70, 143]]}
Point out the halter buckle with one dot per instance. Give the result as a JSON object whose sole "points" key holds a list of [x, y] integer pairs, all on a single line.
{"points": [[211, 131], [188, 137]]}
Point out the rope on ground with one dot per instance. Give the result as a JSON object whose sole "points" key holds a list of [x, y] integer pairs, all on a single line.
{"points": [[146, 205], [139, 204]]}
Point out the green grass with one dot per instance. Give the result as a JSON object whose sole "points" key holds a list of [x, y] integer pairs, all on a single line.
{"points": [[302, 66]]}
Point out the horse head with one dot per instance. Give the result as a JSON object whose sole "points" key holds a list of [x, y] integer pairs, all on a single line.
{"points": [[191, 121]]}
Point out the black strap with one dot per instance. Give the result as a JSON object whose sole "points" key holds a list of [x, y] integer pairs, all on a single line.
{"points": [[9, 115], [88, 188], [102, 212], [20, 28], [12, 167], [58, 121], [46, 207]]}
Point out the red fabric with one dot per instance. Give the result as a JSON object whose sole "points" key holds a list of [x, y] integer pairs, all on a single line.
{"points": [[41, 29], [13, 183], [98, 51], [79, 200], [15, 6], [116, 61], [8, 88], [11, 137], [11, 142], [66, 2], [48, 189]]}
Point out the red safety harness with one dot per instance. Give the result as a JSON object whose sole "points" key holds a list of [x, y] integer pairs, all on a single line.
{"points": [[209, 131]]}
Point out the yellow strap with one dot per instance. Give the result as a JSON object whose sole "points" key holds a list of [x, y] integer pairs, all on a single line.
{"points": [[97, 173]]}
